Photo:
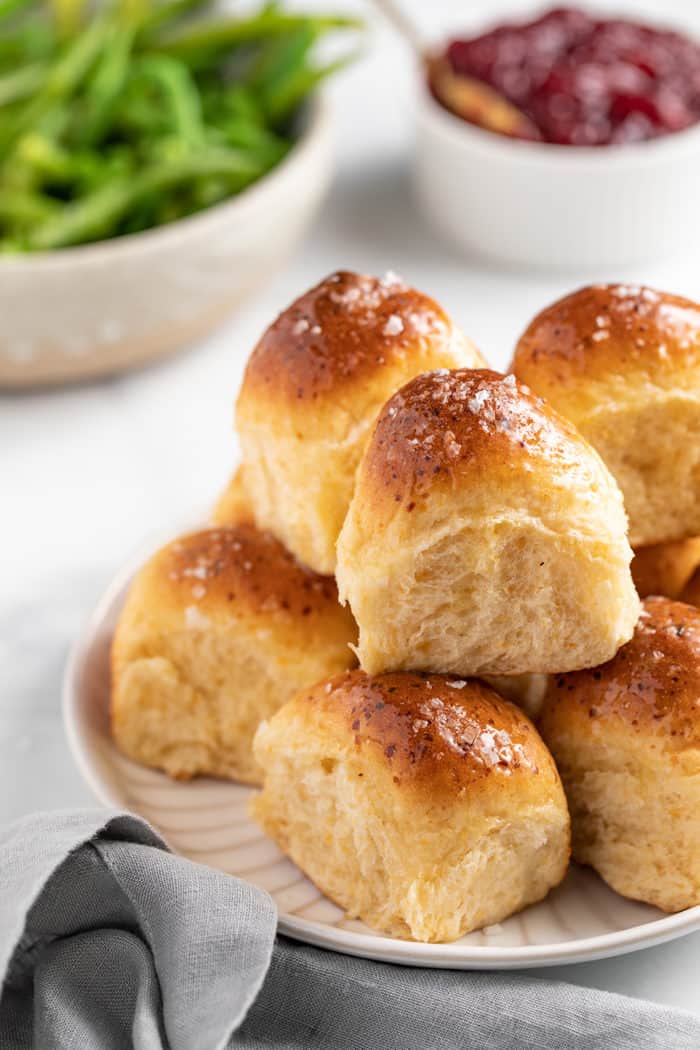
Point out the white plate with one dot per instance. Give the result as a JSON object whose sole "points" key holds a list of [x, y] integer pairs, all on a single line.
{"points": [[207, 820]]}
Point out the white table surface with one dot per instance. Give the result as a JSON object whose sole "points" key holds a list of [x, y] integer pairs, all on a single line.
{"points": [[87, 473]]}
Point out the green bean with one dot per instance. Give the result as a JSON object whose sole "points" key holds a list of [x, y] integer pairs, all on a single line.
{"points": [[49, 162], [180, 95], [54, 123], [11, 7], [68, 15], [62, 79], [139, 117], [34, 38], [201, 42], [210, 191], [242, 133], [44, 158], [95, 214], [141, 215], [170, 11], [21, 82], [104, 88], [220, 101], [281, 55], [24, 207], [286, 97]]}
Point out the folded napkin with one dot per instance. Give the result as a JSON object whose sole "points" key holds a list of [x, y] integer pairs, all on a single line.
{"points": [[108, 941]]}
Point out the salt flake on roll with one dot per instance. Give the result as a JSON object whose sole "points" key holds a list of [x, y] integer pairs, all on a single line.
{"points": [[312, 390], [622, 362], [485, 535], [425, 805], [626, 739], [220, 628]]}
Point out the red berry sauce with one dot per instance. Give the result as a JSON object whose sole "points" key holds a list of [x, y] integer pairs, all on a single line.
{"points": [[586, 81]]}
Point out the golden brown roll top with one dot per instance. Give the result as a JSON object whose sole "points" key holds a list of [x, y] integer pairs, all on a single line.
{"points": [[467, 426], [337, 336], [626, 740], [666, 568], [233, 505], [650, 688], [312, 390], [622, 362], [432, 731], [223, 575], [424, 804], [605, 331], [219, 629], [478, 516], [691, 591]]}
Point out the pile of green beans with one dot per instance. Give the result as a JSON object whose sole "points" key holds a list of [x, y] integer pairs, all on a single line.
{"points": [[121, 117]]}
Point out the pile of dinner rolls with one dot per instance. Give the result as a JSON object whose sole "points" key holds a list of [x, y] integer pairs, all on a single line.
{"points": [[414, 552]]}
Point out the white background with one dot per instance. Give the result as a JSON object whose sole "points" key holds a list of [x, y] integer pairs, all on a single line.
{"points": [[86, 474]]}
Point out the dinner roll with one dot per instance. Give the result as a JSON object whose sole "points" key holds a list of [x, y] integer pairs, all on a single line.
{"points": [[233, 505], [665, 568], [425, 805], [691, 591], [623, 364], [312, 390], [485, 536], [626, 738], [525, 690], [219, 629]]}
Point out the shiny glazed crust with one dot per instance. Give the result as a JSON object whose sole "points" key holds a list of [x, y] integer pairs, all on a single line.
{"points": [[439, 730], [312, 390], [336, 335], [691, 591], [622, 362], [626, 739], [446, 426], [478, 516], [220, 628], [649, 689], [607, 329], [233, 505], [424, 804], [236, 569], [666, 568]]}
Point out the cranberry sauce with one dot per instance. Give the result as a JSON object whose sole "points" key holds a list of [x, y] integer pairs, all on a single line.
{"points": [[586, 81]]}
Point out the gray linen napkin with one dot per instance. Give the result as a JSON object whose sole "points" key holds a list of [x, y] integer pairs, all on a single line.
{"points": [[108, 941]]}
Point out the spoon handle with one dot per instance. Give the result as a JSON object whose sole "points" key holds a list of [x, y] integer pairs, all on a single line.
{"points": [[405, 26]]}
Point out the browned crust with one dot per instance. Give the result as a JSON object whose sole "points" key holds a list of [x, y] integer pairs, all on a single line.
{"points": [[446, 424], [653, 683], [242, 565], [691, 591], [666, 568], [233, 505], [347, 327], [608, 329], [437, 728]]}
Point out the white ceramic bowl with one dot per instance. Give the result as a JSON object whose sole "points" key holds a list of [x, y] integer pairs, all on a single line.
{"points": [[208, 821], [103, 307], [535, 204]]}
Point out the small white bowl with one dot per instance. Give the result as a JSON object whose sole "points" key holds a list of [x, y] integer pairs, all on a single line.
{"points": [[104, 307], [537, 204]]}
